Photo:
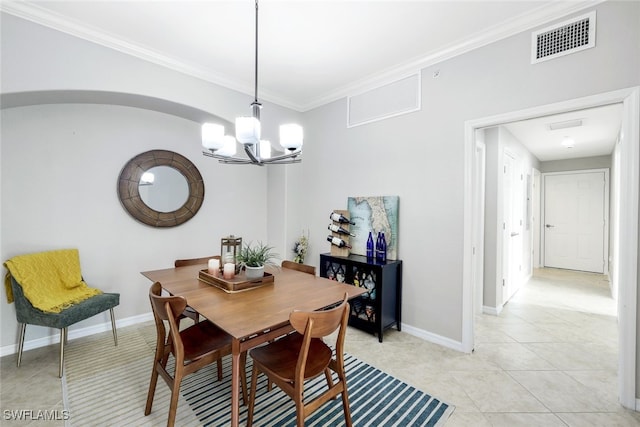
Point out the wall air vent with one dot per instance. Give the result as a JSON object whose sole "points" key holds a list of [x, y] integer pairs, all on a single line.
{"points": [[566, 37]]}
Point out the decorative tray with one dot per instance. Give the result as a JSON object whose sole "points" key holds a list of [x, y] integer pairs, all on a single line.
{"points": [[237, 284]]}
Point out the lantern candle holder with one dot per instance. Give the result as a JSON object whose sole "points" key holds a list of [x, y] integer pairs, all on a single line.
{"points": [[229, 249]]}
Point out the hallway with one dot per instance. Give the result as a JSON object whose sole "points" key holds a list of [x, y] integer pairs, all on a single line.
{"points": [[556, 341], [549, 359]]}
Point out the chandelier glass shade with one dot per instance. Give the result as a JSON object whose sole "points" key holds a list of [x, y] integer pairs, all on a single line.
{"points": [[248, 130], [229, 146], [212, 136], [248, 133]]}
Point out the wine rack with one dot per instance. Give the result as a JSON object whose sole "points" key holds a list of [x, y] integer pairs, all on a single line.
{"points": [[381, 306], [336, 251]]}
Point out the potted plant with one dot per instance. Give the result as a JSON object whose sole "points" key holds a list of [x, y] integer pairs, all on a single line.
{"points": [[254, 257]]}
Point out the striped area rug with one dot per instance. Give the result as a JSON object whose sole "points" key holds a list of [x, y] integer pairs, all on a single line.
{"points": [[376, 399], [107, 385]]}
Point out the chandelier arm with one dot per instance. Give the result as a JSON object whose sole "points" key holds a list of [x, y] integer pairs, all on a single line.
{"points": [[281, 157], [249, 150], [234, 161], [281, 162], [230, 160]]}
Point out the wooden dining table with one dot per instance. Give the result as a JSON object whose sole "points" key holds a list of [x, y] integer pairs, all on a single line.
{"points": [[255, 316]]}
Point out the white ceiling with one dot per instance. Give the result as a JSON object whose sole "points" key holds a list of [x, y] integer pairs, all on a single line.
{"points": [[595, 136], [311, 52]]}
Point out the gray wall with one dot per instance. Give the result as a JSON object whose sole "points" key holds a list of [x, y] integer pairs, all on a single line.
{"points": [[60, 164], [600, 162], [417, 156]]}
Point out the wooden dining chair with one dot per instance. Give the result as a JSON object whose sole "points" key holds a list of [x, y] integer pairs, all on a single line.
{"points": [[303, 355], [194, 261], [192, 348], [190, 312], [305, 268]]}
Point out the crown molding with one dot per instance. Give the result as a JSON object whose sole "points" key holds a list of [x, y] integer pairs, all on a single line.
{"points": [[542, 15], [39, 15]]}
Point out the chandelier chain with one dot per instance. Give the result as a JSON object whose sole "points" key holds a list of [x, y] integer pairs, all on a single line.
{"points": [[255, 98]]}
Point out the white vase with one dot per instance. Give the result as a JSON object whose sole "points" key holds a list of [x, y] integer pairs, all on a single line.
{"points": [[254, 272]]}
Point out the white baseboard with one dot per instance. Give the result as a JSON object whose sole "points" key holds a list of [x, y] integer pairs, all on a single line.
{"points": [[494, 311], [74, 333], [431, 337], [106, 326]]}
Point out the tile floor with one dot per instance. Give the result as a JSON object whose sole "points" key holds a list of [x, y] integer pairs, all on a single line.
{"points": [[549, 359]]}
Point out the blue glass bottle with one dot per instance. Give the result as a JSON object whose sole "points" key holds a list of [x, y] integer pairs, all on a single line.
{"points": [[370, 247], [383, 249]]}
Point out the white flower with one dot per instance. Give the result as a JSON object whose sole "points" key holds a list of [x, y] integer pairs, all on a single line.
{"points": [[300, 249]]}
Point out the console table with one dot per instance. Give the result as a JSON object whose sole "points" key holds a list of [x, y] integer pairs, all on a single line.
{"points": [[381, 306]]}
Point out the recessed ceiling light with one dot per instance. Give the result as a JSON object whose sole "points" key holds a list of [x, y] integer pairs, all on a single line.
{"points": [[568, 142], [566, 124]]}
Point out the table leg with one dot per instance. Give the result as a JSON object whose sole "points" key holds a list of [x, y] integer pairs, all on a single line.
{"points": [[235, 383]]}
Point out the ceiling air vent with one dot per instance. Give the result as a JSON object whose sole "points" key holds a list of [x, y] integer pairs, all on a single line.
{"points": [[566, 37]]}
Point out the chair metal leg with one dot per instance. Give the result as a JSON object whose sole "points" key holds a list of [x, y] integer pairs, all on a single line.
{"points": [[23, 327], [113, 327], [63, 339]]}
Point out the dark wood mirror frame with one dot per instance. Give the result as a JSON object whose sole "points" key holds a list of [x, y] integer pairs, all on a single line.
{"points": [[129, 193]]}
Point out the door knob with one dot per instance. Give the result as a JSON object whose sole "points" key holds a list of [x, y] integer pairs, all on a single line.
{"points": [[549, 226]]}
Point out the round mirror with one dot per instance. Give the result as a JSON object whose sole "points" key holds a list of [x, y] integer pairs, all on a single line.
{"points": [[161, 188]]}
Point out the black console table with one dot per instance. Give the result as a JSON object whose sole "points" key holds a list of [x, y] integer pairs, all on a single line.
{"points": [[378, 309]]}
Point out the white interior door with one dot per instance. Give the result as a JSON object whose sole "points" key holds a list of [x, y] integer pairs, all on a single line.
{"points": [[513, 215], [574, 218]]}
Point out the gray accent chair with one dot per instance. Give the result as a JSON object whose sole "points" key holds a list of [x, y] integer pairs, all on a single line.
{"points": [[28, 314]]}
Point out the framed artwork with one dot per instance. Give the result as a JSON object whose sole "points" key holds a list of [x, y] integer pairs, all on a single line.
{"points": [[374, 214]]}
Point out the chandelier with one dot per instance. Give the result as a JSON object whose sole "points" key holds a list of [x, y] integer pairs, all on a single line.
{"points": [[223, 147]]}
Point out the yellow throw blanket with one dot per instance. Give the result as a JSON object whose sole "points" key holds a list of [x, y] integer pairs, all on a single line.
{"points": [[51, 280]]}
